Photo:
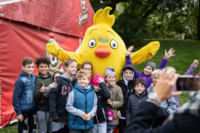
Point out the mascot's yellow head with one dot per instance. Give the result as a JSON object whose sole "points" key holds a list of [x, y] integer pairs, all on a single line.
{"points": [[103, 47]]}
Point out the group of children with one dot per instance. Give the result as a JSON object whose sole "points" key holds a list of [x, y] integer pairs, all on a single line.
{"points": [[76, 102]]}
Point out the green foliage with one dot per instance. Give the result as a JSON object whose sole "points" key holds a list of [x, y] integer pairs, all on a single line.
{"points": [[137, 19], [130, 27]]}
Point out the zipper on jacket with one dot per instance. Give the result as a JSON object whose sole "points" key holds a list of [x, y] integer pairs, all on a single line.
{"points": [[85, 106], [103, 113], [97, 119], [74, 120]]}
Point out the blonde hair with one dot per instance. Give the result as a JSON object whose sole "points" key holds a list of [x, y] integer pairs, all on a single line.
{"points": [[81, 73], [170, 67], [156, 72]]}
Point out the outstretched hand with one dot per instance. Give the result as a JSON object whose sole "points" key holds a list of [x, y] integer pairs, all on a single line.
{"points": [[195, 63], [128, 52], [165, 84], [169, 53]]}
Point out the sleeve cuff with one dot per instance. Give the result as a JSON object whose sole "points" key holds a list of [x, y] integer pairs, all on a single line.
{"points": [[18, 112], [127, 56], [54, 114], [79, 113]]}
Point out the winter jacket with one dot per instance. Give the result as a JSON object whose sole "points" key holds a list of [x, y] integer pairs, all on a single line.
{"points": [[58, 98], [102, 95], [127, 88], [190, 71], [42, 102], [147, 78], [23, 93], [117, 102], [145, 115], [133, 102], [81, 100]]}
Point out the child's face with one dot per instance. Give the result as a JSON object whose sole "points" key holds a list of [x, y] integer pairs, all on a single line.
{"points": [[29, 68], [128, 74], [56, 75], [155, 79], [139, 88], [96, 88], [148, 70], [43, 69], [88, 68], [71, 68], [83, 82], [110, 79]]}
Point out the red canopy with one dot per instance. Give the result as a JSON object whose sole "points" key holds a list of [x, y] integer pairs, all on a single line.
{"points": [[63, 22]]}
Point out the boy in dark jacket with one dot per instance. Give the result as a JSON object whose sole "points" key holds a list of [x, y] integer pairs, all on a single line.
{"points": [[58, 97], [23, 103], [42, 81], [126, 84], [100, 120], [135, 99], [81, 105]]}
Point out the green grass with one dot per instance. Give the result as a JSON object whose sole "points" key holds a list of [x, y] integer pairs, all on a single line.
{"points": [[186, 52]]}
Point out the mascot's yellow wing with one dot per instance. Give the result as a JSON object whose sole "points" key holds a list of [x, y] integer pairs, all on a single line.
{"points": [[63, 55], [145, 53]]}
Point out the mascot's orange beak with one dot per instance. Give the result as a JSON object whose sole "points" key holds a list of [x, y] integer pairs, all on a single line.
{"points": [[102, 52]]}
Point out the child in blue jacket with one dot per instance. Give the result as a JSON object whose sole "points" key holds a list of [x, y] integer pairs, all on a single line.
{"points": [[81, 105], [23, 103]]}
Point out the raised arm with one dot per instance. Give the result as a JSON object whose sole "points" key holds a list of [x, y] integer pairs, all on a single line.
{"points": [[165, 59], [192, 68], [61, 54]]}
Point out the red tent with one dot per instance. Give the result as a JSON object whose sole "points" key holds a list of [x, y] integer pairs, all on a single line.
{"points": [[25, 28]]}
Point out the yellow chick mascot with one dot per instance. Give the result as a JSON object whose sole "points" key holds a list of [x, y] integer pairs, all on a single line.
{"points": [[103, 47]]}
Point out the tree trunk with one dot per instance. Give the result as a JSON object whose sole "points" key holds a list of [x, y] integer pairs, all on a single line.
{"points": [[198, 24]]}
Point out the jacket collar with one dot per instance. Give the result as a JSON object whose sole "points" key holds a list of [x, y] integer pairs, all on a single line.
{"points": [[77, 87]]}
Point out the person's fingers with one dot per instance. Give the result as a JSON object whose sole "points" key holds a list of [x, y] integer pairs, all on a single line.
{"points": [[174, 94], [165, 51]]}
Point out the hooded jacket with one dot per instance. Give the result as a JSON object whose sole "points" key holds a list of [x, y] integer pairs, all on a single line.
{"points": [[58, 97], [42, 102], [127, 88], [147, 78]]}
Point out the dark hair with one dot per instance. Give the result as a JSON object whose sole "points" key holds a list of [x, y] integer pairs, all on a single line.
{"points": [[87, 63], [40, 60], [27, 60], [56, 73], [139, 81], [68, 61]]}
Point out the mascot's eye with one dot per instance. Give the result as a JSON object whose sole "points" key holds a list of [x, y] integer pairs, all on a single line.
{"points": [[92, 43], [113, 44]]}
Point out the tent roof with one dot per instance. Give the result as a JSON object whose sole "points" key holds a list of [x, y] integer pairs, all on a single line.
{"points": [[61, 16]]}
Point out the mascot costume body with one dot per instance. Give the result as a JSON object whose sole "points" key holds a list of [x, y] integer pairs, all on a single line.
{"points": [[103, 47]]}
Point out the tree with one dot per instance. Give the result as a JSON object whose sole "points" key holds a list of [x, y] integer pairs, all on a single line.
{"points": [[198, 24]]}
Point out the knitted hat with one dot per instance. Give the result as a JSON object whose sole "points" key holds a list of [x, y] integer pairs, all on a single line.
{"points": [[110, 70], [96, 78], [152, 64]]}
